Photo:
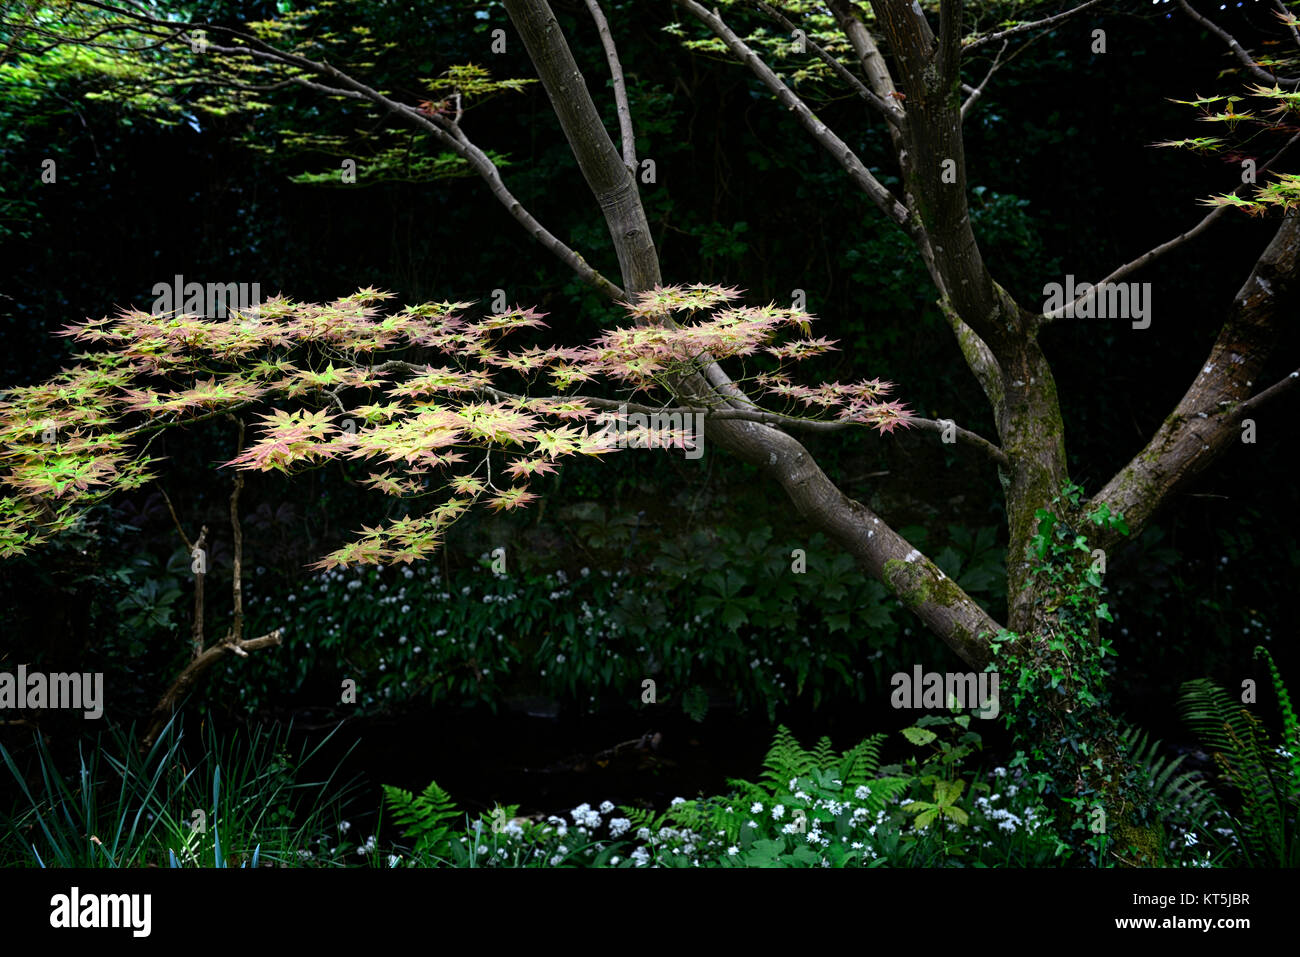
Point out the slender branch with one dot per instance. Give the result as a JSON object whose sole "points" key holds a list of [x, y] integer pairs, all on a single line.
{"points": [[237, 589], [836, 66], [452, 137], [970, 438], [848, 160], [980, 41], [1272, 392], [620, 89], [198, 556], [194, 670], [1153, 254], [977, 91], [1203, 425], [1238, 50], [176, 521], [724, 412], [1287, 17]]}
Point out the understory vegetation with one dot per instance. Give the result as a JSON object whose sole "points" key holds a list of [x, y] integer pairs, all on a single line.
{"points": [[942, 806]]}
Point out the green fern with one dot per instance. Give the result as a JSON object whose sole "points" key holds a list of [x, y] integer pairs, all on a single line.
{"points": [[861, 762], [785, 759], [823, 755], [884, 791], [425, 818], [1267, 825], [1290, 726], [1184, 798]]}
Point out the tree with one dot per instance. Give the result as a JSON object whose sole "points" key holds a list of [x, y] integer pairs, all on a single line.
{"points": [[914, 70]]}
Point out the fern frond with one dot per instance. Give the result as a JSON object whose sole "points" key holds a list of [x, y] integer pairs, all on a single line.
{"points": [[824, 755], [1240, 748], [785, 759], [861, 762], [425, 818], [1183, 798], [1290, 726]]}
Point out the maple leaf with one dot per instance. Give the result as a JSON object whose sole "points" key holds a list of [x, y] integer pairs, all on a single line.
{"points": [[565, 440], [496, 422], [513, 319], [523, 467], [384, 482], [467, 485], [511, 499]]}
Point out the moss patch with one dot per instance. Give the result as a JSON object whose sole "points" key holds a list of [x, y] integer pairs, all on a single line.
{"points": [[910, 581]]}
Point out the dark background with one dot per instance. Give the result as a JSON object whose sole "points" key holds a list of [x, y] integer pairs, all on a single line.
{"points": [[1065, 180]]}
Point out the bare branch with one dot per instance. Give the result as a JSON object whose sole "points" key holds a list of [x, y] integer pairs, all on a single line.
{"points": [[198, 557], [848, 160], [620, 90], [451, 137], [237, 588], [1277, 389], [980, 41], [189, 547], [1155, 253], [975, 92], [194, 670], [1204, 424], [1238, 50]]}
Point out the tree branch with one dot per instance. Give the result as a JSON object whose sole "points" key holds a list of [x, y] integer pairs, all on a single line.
{"points": [[836, 66], [1237, 49], [1205, 423], [848, 160], [975, 92], [979, 41], [1287, 17], [1152, 254], [451, 137], [620, 90]]}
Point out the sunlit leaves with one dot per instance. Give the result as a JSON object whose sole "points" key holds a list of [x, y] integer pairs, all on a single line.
{"points": [[307, 378], [288, 438], [525, 467], [1197, 144], [511, 499], [1283, 191]]}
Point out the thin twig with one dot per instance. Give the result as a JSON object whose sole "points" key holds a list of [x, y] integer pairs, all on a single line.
{"points": [[978, 91], [979, 41], [1237, 49], [199, 564], [1158, 251], [184, 538]]}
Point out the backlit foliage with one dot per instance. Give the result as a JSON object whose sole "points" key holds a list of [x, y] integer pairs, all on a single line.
{"points": [[415, 394]]}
